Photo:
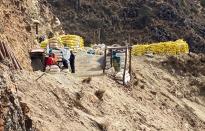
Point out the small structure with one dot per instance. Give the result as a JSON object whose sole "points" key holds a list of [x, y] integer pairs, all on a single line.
{"points": [[126, 50], [37, 59]]}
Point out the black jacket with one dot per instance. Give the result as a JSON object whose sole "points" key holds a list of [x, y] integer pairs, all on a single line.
{"points": [[72, 58]]}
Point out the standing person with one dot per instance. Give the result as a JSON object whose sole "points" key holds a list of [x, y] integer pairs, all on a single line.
{"points": [[66, 57], [72, 62], [48, 61], [55, 59]]}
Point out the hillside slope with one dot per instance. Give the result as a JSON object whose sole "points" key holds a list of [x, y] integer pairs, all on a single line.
{"points": [[167, 93], [159, 99], [111, 22]]}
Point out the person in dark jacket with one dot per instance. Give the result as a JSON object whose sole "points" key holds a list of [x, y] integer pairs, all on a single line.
{"points": [[72, 62]]}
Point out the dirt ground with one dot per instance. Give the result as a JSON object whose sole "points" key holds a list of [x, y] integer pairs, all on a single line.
{"points": [[158, 100], [167, 93], [88, 65]]}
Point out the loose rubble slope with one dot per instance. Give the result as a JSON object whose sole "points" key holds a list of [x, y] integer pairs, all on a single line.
{"points": [[167, 93], [159, 99]]}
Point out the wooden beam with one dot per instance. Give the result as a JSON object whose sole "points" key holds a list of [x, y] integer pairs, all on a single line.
{"points": [[130, 61], [121, 47], [2, 49], [17, 62], [15, 59], [12, 57], [1, 55], [6, 50], [125, 67], [20, 67], [111, 59], [105, 57]]}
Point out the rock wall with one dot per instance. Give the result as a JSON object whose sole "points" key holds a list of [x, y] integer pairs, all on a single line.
{"points": [[11, 114], [17, 28]]}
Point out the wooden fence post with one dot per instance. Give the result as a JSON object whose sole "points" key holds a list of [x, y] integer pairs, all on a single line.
{"points": [[105, 57], [124, 73], [130, 60]]}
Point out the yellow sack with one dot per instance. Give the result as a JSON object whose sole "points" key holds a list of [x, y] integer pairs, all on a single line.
{"points": [[165, 48], [52, 40], [44, 43], [72, 41]]}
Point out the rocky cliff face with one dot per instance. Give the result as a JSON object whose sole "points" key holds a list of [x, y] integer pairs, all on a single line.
{"points": [[11, 115], [112, 22], [18, 31], [17, 28]]}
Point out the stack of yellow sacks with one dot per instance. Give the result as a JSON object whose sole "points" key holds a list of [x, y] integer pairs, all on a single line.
{"points": [[54, 42], [72, 41], [164, 48]]}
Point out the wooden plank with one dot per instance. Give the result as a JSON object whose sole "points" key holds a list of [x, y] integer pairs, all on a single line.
{"points": [[1, 55], [130, 61], [8, 55], [125, 67], [121, 47], [6, 51], [15, 59], [17, 62], [2, 49], [111, 59], [14, 63], [12, 57], [105, 57]]}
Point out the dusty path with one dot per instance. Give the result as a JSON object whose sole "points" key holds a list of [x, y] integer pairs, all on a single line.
{"points": [[88, 65], [62, 102]]}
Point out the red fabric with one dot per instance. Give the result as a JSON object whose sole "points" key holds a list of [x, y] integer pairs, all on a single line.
{"points": [[55, 59], [49, 61]]}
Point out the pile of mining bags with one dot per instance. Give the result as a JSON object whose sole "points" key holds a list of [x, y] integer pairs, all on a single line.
{"points": [[53, 43], [165, 48], [72, 41], [99, 49]]}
